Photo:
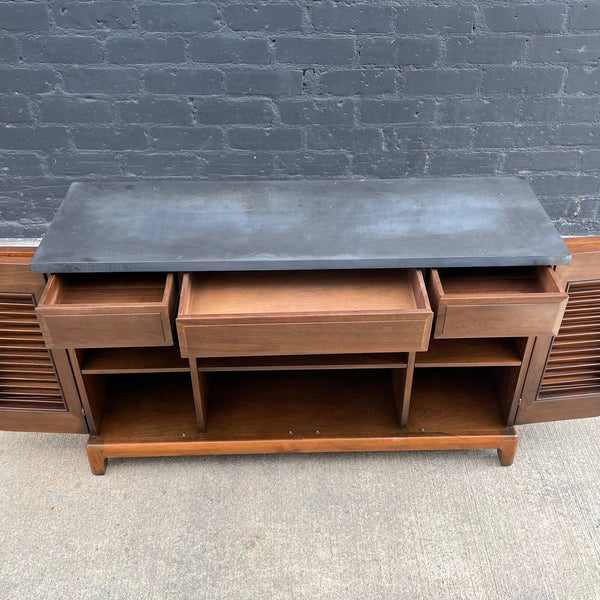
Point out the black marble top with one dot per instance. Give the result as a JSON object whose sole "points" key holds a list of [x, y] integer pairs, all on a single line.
{"points": [[270, 225]]}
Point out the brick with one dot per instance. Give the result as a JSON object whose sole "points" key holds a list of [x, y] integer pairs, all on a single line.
{"points": [[585, 15], [24, 16], [263, 17], [160, 165], [385, 51], [351, 18], [322, 51], [578, 110], [389, 164], [365, 82], [115, 80], [252, 138], [495, 135], [571, 49], [93, 15], [17, 137], [590, 160], [27, 81], [432, 82], [229, 111], [14, 109], [186, 138], [20, 165], [177, 111], [263, 82], [415, 20], [541, 108], [74, 110], [589, 208], [128, 137], [539, 18], [310, 112], [315, 164], [543, 160], [199, 18], [183, 81], [345, 138], [564, 109], [575, 134], [485, 50], [230, 50], [479, 110], [583, 80], [145, 50], [84, 164], [238, 165], [444, 164], [422, 136], [63, 49], [566, 185], [396, 111], [523, 80], [8, 49], [560, 207]]}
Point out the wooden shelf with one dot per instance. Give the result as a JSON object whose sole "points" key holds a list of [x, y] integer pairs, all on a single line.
{"points": [[134, 360], [302, 363], [485, 352], [290, 411]]}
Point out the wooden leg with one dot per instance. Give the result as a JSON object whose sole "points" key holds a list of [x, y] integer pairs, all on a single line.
{"points": [[402, 383], [97, 460], [200, 389], [506, 454]]}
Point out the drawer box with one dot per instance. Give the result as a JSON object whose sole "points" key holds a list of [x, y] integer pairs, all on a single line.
{"points": [[303, 312], [108, 311], [496, 302]]}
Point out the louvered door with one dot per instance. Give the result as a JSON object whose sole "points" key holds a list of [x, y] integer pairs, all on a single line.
{"points": [[37, 390], [564, 375]]}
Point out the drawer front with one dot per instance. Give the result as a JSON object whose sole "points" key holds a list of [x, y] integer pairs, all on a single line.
{"points": [[272, 339], [456, 320], [106, 330]]}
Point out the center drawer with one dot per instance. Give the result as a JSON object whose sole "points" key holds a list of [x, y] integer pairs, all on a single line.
{"points": [[303, 312], [496, 302], [108, 310]]}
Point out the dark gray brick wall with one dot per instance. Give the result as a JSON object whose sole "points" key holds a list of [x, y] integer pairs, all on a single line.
{"points": [[124, 89]]}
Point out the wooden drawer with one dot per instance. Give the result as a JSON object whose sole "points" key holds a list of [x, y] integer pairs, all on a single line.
{"points": [[108, 310], [303, 312], [496, 302]]}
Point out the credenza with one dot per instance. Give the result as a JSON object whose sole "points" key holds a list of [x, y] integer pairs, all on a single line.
{"points": [[213, 318]]}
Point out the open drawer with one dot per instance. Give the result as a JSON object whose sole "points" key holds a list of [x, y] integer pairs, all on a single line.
{"points": [[496, 302], [108, 310], [303, 312]]}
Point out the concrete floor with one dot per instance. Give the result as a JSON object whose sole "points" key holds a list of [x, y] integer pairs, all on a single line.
{"points": [[409, 525]]}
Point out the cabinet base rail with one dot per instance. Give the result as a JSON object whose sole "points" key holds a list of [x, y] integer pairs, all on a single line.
{"points": [[99, 452]]}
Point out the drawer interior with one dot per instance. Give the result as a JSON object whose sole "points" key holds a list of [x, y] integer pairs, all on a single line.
{"points": [[497, 281], [302, 292], [102, 289]]}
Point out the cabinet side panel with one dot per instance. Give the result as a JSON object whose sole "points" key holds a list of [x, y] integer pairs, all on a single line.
{"points": [[37, 391], [563, 381]]}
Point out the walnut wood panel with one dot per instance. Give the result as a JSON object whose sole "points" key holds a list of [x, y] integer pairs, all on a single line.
{"points": [[321, 411], [564, 377], [37, 390], [162, 359], [485, 352], [92, 390], [94, 311], [496, 302], [314, 362], [262, 314]]}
